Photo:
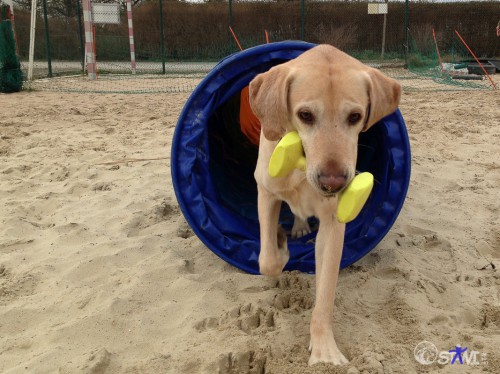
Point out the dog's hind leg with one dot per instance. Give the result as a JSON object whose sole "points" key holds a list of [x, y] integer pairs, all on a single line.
{"points": [[300, 228], [273, 244]]}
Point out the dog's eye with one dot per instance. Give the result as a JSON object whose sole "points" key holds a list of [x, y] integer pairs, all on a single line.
{"points": [[306, 117], [354, 118]]}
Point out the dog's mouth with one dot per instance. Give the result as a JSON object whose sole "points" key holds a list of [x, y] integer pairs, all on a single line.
{"points": [[328, 190], [325, 190]]}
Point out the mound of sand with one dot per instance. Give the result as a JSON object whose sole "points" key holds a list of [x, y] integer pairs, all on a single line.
{"points": [[99, 273]]}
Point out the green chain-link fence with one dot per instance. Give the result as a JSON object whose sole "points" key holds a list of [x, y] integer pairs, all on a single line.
{"points": [[196, 35]]}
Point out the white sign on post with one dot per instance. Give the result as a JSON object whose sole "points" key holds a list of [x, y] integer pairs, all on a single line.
{"points": [[106, 13], [377, 8]]}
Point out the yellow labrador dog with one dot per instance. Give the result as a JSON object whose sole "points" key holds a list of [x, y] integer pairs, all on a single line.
{"points": [[329, 98]]}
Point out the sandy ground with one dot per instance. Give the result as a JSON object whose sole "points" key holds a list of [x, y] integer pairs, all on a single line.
{"points": [[99, 274]]}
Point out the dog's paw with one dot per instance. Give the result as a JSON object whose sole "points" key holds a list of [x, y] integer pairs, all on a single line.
{"points": [[300, 228], [323, 348], [273, 260]]}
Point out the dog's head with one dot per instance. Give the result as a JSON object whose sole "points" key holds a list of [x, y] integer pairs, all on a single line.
{"points": [[329, 98]]}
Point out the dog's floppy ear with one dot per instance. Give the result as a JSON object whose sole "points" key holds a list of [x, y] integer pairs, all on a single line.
{"points": [[384, 94], [269, 100]]}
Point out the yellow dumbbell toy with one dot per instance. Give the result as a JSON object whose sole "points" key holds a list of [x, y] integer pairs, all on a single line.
{"points": [[354, 197], [289, 155]]}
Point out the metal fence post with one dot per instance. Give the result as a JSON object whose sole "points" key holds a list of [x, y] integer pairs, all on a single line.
{"points": [[80, 34], [47, 38], [384, 29], [302, 19], [162, 36], [407, 39], [230, 25]]}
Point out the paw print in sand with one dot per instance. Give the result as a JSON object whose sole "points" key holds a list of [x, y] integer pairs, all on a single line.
{"points": [[247, 318]]}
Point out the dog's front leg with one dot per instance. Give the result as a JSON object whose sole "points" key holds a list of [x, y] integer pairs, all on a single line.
{"points": [[273, 244], [329, 243]]}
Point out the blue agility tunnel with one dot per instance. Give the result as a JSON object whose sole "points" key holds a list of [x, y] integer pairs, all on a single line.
{"points": [[213, 174]]}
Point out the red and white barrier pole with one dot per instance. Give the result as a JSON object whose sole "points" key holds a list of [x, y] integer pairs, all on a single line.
{"points": [[89, 39], [31, 53], [131, 36]]}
